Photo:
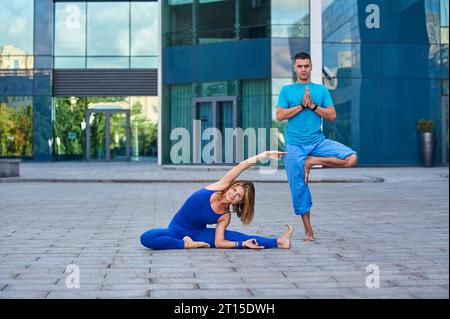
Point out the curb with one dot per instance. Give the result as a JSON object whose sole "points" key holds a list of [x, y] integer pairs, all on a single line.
{"points": [[161, 181]]}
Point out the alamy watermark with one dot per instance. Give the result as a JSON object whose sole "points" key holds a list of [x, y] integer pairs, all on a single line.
{"points": [[210, 146], [373, 280], [73, 279], [373, 20]]}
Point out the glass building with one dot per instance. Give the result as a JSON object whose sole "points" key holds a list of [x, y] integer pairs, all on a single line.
{"points": [[389, 61], [225, 61], [78, 79], [119, 80], [223, 64]]}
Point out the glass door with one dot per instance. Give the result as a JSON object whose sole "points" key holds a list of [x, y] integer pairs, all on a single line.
{"points": [[107, 134], [225, 121], [118, 136], [97, 136], [205, 116], [218, 113]]}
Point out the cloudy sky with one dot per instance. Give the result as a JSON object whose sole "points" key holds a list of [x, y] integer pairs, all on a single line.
{"points": [[16, 24]]}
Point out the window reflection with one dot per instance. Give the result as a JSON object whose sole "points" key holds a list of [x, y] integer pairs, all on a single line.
{"points": [[16, 25], [254, 19], [177, 22], [70, 63], [69, 140], [16, 126], [144, 62], [108, 28], [216, 20], [70, 29], [106, 34], [290, 18], [107, 62], [144, 26]]}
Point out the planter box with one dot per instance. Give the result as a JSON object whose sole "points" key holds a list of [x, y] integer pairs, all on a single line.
{"points": [[10, 167]]}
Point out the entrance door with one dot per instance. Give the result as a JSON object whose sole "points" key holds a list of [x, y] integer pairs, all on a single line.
{"points": [[213, 112], [107, 134]]}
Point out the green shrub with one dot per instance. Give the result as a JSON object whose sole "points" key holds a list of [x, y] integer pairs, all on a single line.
{"points": [[424, 126]]}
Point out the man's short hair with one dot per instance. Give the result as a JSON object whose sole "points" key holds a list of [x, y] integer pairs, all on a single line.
{"points": [[302, 56]]}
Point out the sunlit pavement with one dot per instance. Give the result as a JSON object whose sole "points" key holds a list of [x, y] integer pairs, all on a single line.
{"points": [[397, 229]]}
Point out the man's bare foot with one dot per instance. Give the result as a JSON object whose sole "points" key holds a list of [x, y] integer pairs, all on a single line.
{"points": [[309, 237], [308, 165], [189, 243], [284, 241]]}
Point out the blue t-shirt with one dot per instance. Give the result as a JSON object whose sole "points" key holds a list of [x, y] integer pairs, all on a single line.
{"points": [[305, 127]]}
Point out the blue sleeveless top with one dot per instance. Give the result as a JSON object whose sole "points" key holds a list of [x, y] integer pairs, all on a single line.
{"points": [[196, 212]]}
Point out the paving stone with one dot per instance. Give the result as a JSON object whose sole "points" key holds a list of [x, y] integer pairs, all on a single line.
{"points": [[356, 224]]}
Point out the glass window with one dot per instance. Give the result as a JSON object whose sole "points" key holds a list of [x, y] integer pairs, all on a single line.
{"points": [[70, 63], [16, 26], [11, 58], [70, 29], [290, 18], [108, 28], [16, 82], [177, 22], [283, 52], [278, 83], [144, 62], [108, 62], [144, 127], [16, 126], [444, 13], [69, 127], [254, 19], [144, 28], [444, 21], [216, 20]]}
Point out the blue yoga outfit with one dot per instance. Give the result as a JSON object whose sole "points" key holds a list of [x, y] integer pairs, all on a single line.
{"points": [[294, 162], [192, 220], [304, 137]]}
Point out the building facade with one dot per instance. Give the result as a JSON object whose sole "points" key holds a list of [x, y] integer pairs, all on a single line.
{"points": [[224, 63], [78, 79], [389, 61]]}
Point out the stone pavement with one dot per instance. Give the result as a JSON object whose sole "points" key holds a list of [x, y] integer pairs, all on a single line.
{"points": [[399, 225], [144, 172]]}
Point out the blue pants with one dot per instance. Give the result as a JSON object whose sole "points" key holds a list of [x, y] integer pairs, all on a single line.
{"points": [[168, 238], [295, 169]]}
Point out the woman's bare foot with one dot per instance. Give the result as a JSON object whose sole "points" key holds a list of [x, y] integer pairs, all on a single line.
{"points": [[189, 243], [308, 165], [309, 237], [284, 241]]}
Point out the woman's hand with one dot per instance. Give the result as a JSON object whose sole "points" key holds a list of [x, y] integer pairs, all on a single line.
{"points": [[252, 244], [272, 154]]}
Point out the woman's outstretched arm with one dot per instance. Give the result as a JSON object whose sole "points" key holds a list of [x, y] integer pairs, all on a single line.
{"points": [[221, 242], [232, 174]]}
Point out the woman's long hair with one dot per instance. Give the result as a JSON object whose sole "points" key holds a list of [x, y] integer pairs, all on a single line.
{"points": [[246, 210]]}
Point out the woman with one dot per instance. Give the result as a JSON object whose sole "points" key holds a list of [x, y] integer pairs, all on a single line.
{"points": [[211, 205]]}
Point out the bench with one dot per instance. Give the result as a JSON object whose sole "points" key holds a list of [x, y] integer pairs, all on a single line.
{"points": [[10, 167]]}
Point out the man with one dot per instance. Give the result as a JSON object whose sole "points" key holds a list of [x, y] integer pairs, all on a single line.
{"points": [[304, 104]]}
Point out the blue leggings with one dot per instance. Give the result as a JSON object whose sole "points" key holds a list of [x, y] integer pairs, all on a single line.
{"points": [[167, 238]]}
